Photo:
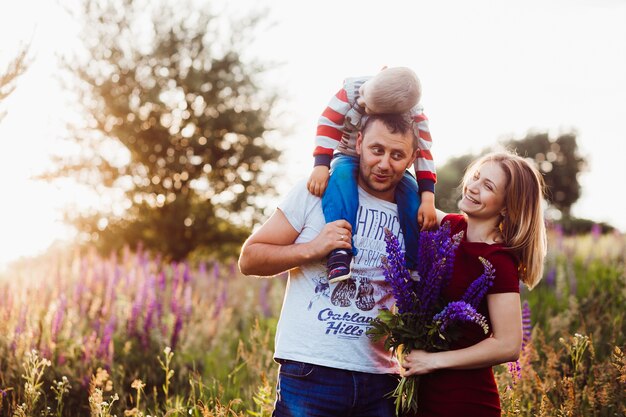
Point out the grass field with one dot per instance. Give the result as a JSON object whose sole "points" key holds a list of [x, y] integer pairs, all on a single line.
{"points": [[133, 336]]}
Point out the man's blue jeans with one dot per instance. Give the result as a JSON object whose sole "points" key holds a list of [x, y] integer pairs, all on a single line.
{"points": [[306, 390]]}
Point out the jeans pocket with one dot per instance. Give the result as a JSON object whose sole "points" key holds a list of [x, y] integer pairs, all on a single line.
{"points": [[295, 369]]}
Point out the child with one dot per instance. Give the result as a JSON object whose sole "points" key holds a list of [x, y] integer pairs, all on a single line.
{"points": [[393, 90]]}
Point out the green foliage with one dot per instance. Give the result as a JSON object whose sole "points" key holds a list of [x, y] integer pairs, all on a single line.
{"points": [[174, 116], [222, 365], [576, 226], [448, 182], [104, 350], [574, 364], [560, 162]]}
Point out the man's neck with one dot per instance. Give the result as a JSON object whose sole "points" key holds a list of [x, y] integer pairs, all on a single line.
{"points": [[389, 196]]}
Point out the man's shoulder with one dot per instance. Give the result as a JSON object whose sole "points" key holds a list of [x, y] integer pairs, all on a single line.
{"points": [[299, 197]]}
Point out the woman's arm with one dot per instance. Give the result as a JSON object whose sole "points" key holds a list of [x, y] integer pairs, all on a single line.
{"points": [[503, 346]]}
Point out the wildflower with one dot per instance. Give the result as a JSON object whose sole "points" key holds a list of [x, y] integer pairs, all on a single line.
{"points": [[596, 231], [459, 312], [420, 320], [515, 370], [550, 277], [402, 286], [478, 289], [137, 384], [526, 324], [57, 321]]}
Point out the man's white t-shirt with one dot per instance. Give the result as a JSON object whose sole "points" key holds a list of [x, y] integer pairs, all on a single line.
{"points": [[325, 324]]}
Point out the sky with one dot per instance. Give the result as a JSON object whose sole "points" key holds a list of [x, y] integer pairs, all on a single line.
{"points": [[489, 69]]}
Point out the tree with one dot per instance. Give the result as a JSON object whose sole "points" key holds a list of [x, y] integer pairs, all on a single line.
{"points": [[175, 118], [560, 162], [448, 186], [558, 159], [15, 68]]}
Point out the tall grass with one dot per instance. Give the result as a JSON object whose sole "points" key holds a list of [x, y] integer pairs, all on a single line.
{"points": [[134, 336]]}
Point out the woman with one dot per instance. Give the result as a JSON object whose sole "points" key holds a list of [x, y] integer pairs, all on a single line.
{"points": [[503, 223]]}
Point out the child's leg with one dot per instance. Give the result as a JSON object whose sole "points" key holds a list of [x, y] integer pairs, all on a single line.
{"points": [[408, 200], [341, 201]]}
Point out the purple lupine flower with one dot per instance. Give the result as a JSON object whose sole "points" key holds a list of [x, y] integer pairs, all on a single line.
{"points": [[178, 322], [186, 274], [134, 314], [175, 276], [21, 325], [551, 277], [596, 231], [57, 320], [397, 275], [526, 324], [515, 370], [216, 271], [263, 298], [162, 281], [202, 269], [187, 301], [436, 267], [478, 288], [105, 350], [558, 231], [220, 302], [79, 295], [150, 311], [459, 311]]}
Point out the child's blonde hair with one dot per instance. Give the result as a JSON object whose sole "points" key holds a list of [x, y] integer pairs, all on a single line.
{"points": [[393, 90], [522, 226]]}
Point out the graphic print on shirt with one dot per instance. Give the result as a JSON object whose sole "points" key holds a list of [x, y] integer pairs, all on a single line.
{"points": [[355, 299], [322, 289]]}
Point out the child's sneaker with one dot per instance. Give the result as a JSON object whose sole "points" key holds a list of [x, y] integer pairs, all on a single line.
{"points": [[339, 265]]}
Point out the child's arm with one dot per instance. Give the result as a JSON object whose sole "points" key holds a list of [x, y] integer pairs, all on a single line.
{"points": [[427, 214], [425, 171], [318, 181], [329, 132]]}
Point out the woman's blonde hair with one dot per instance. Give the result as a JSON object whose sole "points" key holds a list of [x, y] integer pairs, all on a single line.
{"points": [[522, 225], [393, 90]]}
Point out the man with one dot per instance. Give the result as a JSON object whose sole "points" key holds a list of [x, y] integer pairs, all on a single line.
{"points": [[328, 365]]}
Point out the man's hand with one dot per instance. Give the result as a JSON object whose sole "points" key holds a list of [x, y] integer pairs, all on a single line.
{"points": [[334, 235], [318, 180], [427, 214]]}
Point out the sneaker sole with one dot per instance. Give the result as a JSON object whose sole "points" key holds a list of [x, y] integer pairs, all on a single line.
{"points": [[341, 278]]}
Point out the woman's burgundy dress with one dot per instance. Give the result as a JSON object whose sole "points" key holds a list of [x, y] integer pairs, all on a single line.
{"points": [[472, 392]]}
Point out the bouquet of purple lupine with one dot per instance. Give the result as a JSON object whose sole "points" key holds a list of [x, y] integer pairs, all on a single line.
{"points": [[421, 319]]}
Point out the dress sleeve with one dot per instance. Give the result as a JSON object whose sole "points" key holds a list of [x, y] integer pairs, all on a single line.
{"points": [[457, 222], [507, 277]]}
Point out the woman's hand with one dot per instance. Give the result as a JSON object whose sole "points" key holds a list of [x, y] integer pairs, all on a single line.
{"points": [[418, 362]]}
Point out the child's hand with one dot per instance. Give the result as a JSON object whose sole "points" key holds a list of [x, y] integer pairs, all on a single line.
{"points": [[426, 214], [318, 180]]}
